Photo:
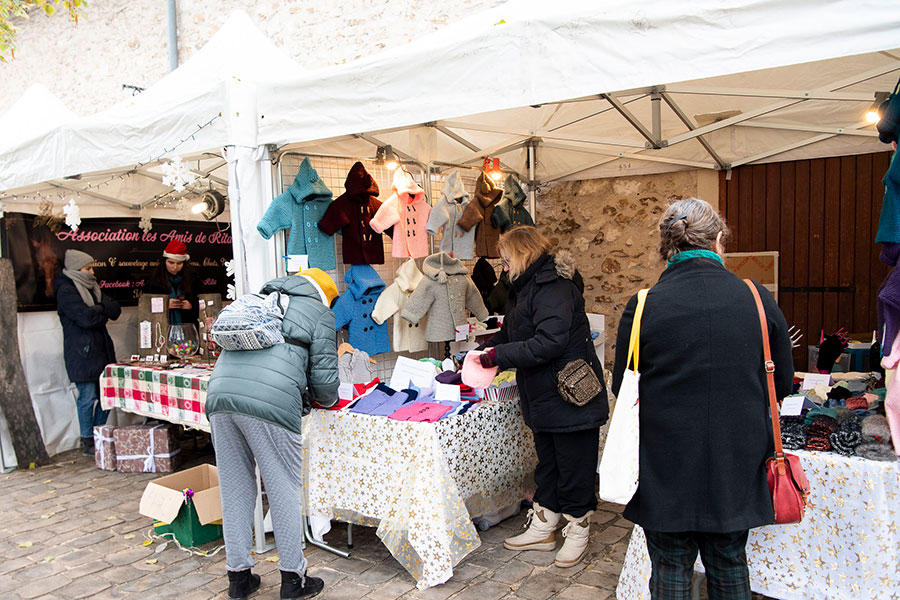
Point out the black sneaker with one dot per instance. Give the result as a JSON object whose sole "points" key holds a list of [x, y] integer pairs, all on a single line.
{"points": [[295, 586], [241, 584], [87, 446]]}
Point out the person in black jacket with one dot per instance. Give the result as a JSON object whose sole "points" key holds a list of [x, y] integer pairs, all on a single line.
{"points": [[173, 277], [87, 348], [546, 327], [705, 432]]}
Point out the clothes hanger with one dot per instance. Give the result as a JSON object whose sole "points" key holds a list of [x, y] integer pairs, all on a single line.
{"points": [[345, 347]]}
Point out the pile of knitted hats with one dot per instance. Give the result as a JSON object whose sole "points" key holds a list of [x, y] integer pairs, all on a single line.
{"points": [[876, 439]]}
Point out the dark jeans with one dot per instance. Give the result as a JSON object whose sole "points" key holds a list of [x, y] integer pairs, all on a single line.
{"points": [[724, 557], [567, 464], [89, 411]]}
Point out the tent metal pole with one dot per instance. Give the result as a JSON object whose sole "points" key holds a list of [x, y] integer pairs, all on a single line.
{"points": [[634, 121], [690, 125], [280, 249], [532, 192], [794, 146], [462, 141], [103, 197]]}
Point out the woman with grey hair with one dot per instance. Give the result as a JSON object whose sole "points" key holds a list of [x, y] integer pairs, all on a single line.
{"points": [[704, 426]]}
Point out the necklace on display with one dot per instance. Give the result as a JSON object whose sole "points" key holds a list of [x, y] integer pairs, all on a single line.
{"points": [[160, 340]]}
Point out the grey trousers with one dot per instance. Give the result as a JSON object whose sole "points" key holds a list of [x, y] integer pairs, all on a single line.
{"points": [[239, 441]]}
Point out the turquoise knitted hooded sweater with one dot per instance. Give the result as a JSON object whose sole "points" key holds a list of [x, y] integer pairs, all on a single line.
{"points": [[299, 209]]}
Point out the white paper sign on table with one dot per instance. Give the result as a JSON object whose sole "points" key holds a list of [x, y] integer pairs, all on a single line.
{"points": [[792, 406], [156, 305], [345, 391], [145, 334], [296, 262], [407, 370], [446, 391], [462, 332], [811, 380]]}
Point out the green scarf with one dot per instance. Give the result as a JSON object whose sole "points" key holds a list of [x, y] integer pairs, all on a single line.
{"points": [[686, 254]]}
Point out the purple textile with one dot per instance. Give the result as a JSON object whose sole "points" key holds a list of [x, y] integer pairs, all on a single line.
{"points": [[451, 377], [382, 401], [889, 300]]}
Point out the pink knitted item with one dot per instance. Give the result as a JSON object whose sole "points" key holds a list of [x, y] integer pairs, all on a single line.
{"points": [[473, 374]]}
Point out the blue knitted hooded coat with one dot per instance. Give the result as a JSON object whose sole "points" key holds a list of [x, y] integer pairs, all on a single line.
{"points": [[299, 209], [354, 310]]}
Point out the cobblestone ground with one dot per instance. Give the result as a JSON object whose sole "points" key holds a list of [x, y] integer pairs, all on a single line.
{"points": [[71, 531]]}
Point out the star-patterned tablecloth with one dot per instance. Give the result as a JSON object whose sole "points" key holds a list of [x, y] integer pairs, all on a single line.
{"points": [[846, 547], [419, 483], [176, 395]]}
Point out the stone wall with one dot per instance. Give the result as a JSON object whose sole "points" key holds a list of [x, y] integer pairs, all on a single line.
{"points": [[611, 227], [125, 41]]}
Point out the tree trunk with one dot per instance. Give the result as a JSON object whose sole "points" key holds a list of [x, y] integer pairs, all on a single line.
{"points": [[15, 401]]}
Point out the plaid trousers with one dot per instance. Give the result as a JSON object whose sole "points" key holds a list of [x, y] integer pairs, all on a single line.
{"points": [[724, 556]]}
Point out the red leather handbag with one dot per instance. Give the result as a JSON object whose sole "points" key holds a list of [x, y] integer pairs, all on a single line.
{"points": [[787, 481]]}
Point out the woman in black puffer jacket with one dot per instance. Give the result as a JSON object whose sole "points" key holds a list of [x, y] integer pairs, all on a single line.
{"points": [[546, 327]]}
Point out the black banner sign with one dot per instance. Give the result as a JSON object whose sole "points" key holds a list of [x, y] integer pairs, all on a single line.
{"points": [[126, 256]]}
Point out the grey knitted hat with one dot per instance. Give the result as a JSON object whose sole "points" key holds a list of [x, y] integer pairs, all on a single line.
{"points": [[76, 259]]}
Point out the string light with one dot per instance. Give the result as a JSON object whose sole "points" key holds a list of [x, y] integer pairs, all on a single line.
{"points": [[491, 167]]}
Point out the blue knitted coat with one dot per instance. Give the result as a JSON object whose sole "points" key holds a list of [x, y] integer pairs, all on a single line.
{"points": [[353, 309], [299, 209], [889, 223]]}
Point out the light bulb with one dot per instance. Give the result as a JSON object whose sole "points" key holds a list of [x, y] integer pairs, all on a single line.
{"points": [[198, 208], [872, 116], [496, 175], [392, 165]]}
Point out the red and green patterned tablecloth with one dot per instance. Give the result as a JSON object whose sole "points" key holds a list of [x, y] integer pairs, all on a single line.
{"points": [[174, 395]]}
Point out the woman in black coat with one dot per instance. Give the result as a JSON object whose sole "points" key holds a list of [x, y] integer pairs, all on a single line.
{"points": [[87, 348], [546, 327], [705, 431]]}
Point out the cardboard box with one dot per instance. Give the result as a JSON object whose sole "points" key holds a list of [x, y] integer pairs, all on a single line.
{"points": [[104, 447], [147, 448], [194, 520]]}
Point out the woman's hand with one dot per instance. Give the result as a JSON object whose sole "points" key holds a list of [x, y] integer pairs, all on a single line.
{"points": [[177, 303], [185, 305], [488, 359]]}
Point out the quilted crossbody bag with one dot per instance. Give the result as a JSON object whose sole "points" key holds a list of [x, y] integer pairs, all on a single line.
{"points": [[787, 481]]}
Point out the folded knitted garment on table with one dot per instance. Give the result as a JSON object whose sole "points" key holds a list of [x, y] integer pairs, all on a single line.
{"points": [[875, 429], [382, 401], [420, 412], [451, 377], [504, 377], [793, 434], [875, 451], [839, 391], [815, 412], [848, 434], [857, 402], [818, 432]]}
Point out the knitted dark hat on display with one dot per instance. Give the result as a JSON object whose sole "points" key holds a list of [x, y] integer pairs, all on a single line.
{"points": [[875, 451], [176, 250], [848, 434], [793, 434]]}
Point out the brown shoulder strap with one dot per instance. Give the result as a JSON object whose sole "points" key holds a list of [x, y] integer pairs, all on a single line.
{"points": [[770, 377]]}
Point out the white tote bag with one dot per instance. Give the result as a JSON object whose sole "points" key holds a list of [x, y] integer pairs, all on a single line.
{"points": [[618, 467]]}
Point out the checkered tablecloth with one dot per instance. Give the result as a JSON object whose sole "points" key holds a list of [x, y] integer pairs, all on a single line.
{"points": [[174, 395]]}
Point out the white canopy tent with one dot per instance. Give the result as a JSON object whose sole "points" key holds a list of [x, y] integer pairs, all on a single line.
{"points": [[587, 89]]}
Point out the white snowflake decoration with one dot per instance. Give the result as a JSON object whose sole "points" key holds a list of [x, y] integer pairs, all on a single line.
{"points": [[73, 214], [184, 207], [229, 267], [177, 174], [146, 225], [231, 294]]}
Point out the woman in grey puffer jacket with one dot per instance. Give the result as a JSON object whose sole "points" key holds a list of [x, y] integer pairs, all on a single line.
{"points": [[255, 404]]}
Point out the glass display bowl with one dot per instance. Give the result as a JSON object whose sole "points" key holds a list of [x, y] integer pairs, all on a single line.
{"points": [[184, 341]]}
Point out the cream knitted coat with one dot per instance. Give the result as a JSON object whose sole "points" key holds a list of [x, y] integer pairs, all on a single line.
{"points": [[444, 295], [408, 337]]}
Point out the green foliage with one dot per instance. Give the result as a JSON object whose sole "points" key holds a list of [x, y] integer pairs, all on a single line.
{"points": [[22, 9]]}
